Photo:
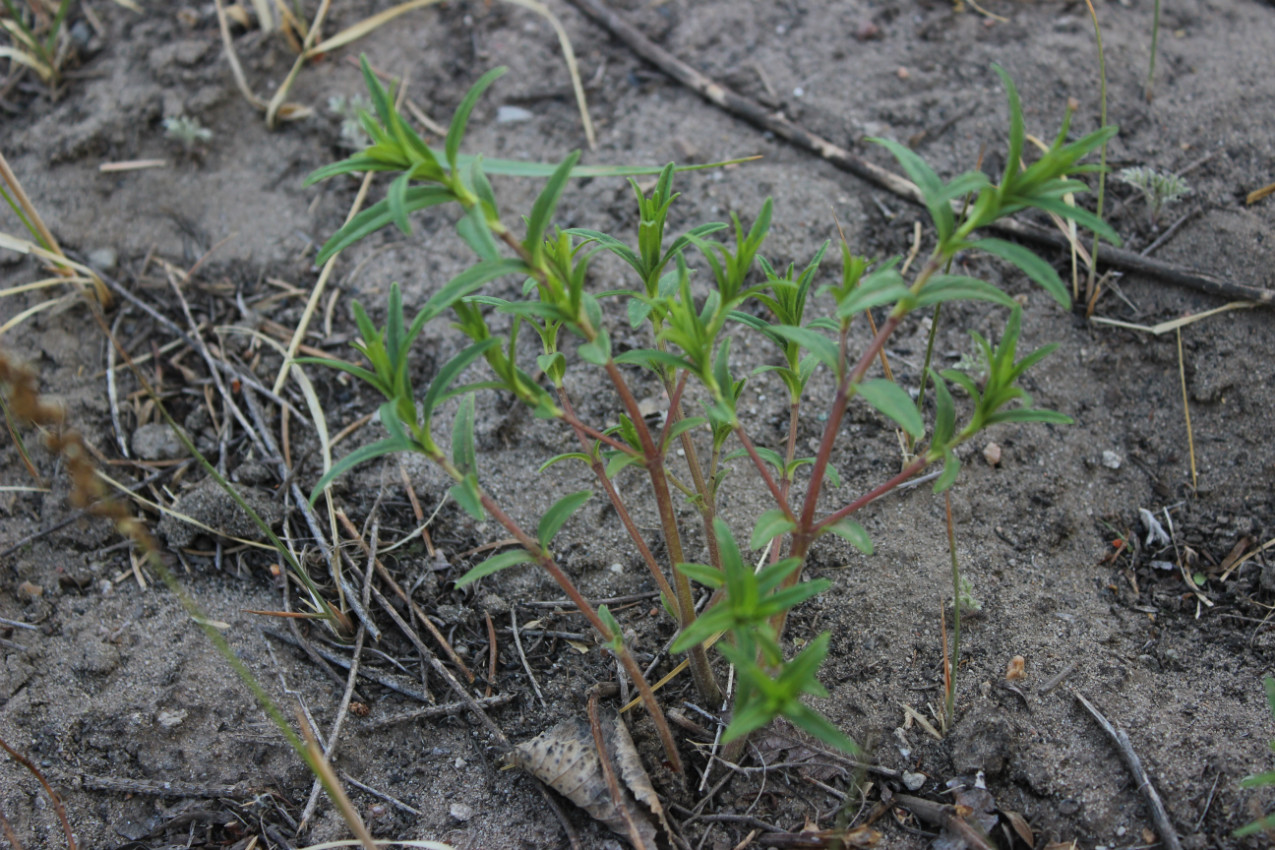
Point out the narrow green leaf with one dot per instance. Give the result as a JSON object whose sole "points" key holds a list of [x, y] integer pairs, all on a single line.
{"points": [[681, 426], [580, 456], [893, 401], [613, 626], [360, 455], [816, 343], [494, 564], [378, 216], [703, 573], [951, 469], [464, 454], [460, 119], [557, 515], [463, 284], [920, 173], [357, 371], [542, 210], [396, 197], [356, 163], [950, 287], [848, 529], [1030, 414], [820, 727], [770, 525], [465, 492], [448, 374], [1013, 159], [597, 352], [1080, 215], [944, 412], [638, 310], [476, 232], [1030, 263], [883, 287]]}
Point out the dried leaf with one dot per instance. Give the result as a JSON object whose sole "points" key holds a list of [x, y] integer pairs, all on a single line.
{"points": [[1020, 825], [565, 759]]}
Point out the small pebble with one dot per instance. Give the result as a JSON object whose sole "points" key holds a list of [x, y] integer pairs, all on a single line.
{"points": [[992, 454], [616, 568], [867, 31], [913, 781], [29, 591], [512, 115], [103, 258], [903, 73], [170, 717], [1111, 460], [461, 811]]}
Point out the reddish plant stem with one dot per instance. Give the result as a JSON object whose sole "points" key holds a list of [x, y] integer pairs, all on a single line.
{"points": [[569, 417], [707, 502], [806, 523], [701, 671], [775, 490], [564, 581], [675, 403], [620, 509], [909, 471]]}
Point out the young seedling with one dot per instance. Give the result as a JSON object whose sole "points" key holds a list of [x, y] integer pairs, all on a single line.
{"points": [[188, 131], [1159, 188], [689, 336]]}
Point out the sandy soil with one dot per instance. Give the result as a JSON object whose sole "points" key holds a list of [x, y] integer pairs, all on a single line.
{"points": [[115, 690]]}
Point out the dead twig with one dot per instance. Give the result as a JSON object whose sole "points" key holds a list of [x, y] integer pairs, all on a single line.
{"points": [[945, 817], [535, 686], [1159, 816], [402, 594], [765, 119], [343, 708], [447, 709], [333, 658], [1058, 679]]}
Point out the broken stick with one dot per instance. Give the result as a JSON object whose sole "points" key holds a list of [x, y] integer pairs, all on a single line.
{"points": [[1159, 815]]}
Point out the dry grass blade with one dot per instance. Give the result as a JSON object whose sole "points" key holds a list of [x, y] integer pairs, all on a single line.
{"points": [[1173, 324], [1186, 411], [367, 25], [236, 69], [277, 107], [316, 294], [323, 770]]}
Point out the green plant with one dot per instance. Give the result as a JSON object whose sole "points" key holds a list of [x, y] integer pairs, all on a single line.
{"points": [[690, 330], [1261, 780], [348, 110], [187, 130], [1158, 187]]}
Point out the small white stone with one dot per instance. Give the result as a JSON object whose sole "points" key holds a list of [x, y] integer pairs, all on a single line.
{"points": [[913, 781], [616, 568], [170, 717], [461, 811], [1111, 460], [512, 115]]}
